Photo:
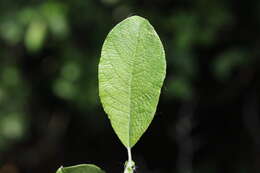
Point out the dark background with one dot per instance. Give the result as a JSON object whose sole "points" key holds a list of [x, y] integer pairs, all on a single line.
{"points": [[207, 119]]}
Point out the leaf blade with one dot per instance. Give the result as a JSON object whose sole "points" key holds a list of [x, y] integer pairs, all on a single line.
{"points": [[131, 73], [83, 168]]}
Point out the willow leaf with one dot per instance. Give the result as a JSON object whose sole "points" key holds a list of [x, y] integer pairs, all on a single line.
{"points": [[131, 73]]}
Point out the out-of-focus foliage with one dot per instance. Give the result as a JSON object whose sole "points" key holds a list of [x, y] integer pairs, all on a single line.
{"points": [[12, 102], [228, 61], [49, 51], [31, 25]]}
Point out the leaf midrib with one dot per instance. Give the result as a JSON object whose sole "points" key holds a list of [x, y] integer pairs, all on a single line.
{"points": [[131, 77]]}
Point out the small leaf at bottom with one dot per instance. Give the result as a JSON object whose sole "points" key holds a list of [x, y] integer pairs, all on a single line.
{"points": [[83, 168]]}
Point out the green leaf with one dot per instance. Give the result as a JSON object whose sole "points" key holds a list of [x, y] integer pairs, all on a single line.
{"points": [[131, 73], [83, 168], [35, 35]]}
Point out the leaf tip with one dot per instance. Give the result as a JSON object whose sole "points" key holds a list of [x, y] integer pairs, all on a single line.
{"points": [[136, 17], [59, 170]]}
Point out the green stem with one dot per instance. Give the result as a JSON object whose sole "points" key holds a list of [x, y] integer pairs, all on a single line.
{"points": [[129, 154], [130, 164]]}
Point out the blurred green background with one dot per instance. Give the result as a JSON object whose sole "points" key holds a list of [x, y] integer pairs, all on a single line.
{"points": [[207, 120]]}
